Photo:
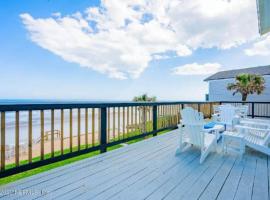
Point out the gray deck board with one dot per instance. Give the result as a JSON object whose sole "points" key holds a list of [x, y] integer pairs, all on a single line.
{"points": [[178, 190], [166, 167], [260, 186], [245, 186], [196, 190], [102, 183], [230, 186], [158, 182], [174, 179], [151, 170], [268, 171], [101, 173]]}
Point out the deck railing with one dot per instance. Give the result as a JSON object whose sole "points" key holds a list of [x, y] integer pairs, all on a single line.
{"points": [[256, 109], [33, 135]]}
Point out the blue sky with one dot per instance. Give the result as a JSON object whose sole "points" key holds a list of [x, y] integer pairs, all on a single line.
{"points": [[34, 63]]}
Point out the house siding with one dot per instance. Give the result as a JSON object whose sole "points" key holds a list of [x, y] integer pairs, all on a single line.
{"points": [[218, 91]]}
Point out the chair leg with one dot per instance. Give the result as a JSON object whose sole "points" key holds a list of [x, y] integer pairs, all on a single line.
{"points": [[203, 156], [223, 145], [204, 153], [180, 149]]}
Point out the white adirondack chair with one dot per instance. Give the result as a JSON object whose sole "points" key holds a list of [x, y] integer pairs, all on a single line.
{"points": [[256, 138], [242, 111], [227, 116], [192, 132], [216, 110]]}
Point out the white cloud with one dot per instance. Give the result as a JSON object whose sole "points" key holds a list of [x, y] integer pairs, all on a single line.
{"points": [[196, 69], [56, 14], [261, 48], [160, 57], [121, 37], [182, 50], [214, 23]]}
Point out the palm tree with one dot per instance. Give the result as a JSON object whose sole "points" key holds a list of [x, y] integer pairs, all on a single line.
{"points": [[247, 84], [144, 109], [144, 98]]}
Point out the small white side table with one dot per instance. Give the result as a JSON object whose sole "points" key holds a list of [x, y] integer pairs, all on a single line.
{"points": [[229, 137]]}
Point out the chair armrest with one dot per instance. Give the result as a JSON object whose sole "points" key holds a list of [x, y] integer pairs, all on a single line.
{"points": [[207, 130]]}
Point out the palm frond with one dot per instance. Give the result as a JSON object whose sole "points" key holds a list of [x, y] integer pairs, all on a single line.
{"points": [[246, 84]]}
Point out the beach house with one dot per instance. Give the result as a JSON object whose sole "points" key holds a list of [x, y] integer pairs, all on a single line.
{"points": [[218, 84]]}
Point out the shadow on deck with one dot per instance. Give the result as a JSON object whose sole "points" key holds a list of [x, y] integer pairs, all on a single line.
{"points": [[150, 170]]}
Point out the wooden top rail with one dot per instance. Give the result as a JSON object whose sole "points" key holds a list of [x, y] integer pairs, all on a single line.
{"points": [[49, 106]]}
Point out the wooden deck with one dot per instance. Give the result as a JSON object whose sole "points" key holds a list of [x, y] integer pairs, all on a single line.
{"points": [[150, 170]]}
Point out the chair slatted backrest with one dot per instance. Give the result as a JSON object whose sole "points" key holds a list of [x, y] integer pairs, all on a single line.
{"points": [[191, 116], [227, 114], [193, 125], [242, 110], [258, 135], [216, 109], [194, 134]]}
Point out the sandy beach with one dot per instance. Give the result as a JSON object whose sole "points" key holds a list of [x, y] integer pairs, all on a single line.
{"points": [[92, 139]]}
